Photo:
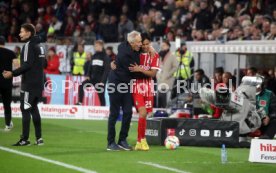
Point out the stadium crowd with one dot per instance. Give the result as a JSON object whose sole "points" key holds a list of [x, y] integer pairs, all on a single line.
{"points": [[111, 20]]}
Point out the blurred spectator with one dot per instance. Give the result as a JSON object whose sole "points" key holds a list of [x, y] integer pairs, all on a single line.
{"points": [[49, 14], [26, 13], [74, 9], [218, 75], [60, 10], [110, 53], [188, 19], [87, 63], [185, 67], [252, 71], [158, 27], [52, 62], [229, 81], [107, 29], [125, 26], [69, 26], [40, 32], [89, 35], [200, 80], [272, 34], [168, 66], [78, 60], [54, 27], [204, 17]]}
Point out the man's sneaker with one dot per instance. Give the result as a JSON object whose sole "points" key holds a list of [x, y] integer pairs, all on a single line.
{"points": [[39, 142], [8, 128], [138, 146], [22, 142], [144, 145], [124, 145], [79, 103], [113, 147]]}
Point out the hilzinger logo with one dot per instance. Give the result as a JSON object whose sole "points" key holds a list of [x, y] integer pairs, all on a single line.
{"points": [[73, 110], [268, 148]]}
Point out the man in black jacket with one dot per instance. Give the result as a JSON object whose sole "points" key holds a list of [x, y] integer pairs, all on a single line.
{"points": [[119, 90], [32, 59], [6, 59], [97, 73]]}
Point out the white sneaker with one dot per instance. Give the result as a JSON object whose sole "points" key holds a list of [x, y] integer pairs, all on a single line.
{"points": [[8, 128]]}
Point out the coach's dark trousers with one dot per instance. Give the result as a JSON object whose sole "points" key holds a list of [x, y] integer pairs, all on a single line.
{"points": [[28, 106], [118, 100], [6, 94]]}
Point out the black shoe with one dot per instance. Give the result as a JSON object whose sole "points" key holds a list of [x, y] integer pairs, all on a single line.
{"points": [[124, 145], [113, 147], [39, 142], [22, 142]]}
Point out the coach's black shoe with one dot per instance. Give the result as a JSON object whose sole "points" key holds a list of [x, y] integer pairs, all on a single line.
{"points": [[39, 142], [124, 145], [22, 142], [113, 147]]}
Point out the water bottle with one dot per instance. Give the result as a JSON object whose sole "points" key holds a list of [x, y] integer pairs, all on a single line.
{"points": [[223, 154]]}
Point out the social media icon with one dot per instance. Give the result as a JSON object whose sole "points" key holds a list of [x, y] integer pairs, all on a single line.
{"points": [[192, 132], [217, 133], [205, 133], [182, 132], [228, 133]]}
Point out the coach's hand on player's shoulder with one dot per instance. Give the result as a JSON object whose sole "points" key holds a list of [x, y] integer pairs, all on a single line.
{"points": [[7, 74], [135, 68], [113, 65]]}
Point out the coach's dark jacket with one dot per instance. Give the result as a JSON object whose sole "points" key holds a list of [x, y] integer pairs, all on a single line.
{"points": [[126, 56], [32, 59]]}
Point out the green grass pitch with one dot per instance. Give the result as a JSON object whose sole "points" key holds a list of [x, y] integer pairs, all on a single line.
{"points": [[83, 144]]}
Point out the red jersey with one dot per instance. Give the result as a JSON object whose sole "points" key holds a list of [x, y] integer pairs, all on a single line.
{"points": [[145, 86]]}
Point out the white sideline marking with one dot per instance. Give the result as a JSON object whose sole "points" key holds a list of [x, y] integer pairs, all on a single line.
{"points": [[65, 165], [162, 167]]}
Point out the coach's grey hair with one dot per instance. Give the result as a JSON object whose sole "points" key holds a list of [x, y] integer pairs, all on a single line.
{"points": [[132, 35]]}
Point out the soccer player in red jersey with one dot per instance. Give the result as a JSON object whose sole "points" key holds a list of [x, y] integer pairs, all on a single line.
{"points": [[143, 88]]}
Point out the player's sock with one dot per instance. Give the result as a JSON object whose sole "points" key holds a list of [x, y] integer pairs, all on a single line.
{"points": [[143, 127], [139, 130]]}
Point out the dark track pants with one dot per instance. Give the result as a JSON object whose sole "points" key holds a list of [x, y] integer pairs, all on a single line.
{"points": [[117, 101], [6, 94], [28, 106]]}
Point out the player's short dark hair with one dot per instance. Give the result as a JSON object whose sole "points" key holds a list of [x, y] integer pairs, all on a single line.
{"points": [[145, 36], [2, 40], [29, 27], [200, 71]]}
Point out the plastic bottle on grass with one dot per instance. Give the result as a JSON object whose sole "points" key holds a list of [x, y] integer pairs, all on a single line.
{"points": [[223, 154]]}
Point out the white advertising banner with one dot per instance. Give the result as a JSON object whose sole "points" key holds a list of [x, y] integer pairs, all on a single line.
{"points": [[68, 112], [263, 150]]}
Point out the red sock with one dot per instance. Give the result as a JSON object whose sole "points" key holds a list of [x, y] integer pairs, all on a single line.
{"points": [[144, 128], [141, 128]]}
